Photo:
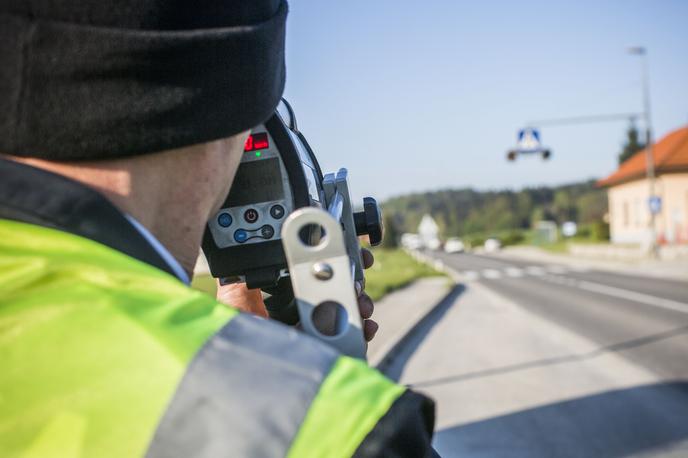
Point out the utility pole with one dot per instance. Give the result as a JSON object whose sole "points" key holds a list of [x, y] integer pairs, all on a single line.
{"points": [[649, 155]]}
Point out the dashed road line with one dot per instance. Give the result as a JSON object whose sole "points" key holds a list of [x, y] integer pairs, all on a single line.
{"points": [[514, 272], [555, 269], [492, 274], [511, 272], [535, 271], [471, 275], [554, 274]]}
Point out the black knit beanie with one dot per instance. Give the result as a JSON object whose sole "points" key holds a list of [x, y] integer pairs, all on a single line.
{"points": [[96, 79]]}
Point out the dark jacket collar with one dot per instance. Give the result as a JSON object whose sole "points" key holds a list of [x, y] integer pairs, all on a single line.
{"points": [[35, 196]]}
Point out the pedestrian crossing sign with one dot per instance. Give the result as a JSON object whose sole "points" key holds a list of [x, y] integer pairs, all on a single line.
{"points": [[529, 140]]}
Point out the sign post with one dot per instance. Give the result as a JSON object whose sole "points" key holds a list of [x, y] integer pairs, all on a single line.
{"points": [[655, 204]]}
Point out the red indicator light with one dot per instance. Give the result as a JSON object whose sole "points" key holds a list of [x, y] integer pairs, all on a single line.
{"points": [[257, 141]]}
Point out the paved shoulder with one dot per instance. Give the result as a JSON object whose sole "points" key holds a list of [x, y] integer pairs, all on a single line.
{"points": [[398, 312], [507, 380]]}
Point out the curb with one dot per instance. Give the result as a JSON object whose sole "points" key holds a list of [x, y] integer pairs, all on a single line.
{"points": [[394, 347], [381, 348]]}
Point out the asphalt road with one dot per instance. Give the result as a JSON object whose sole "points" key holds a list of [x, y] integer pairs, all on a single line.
{"points": [[608, 308], [533, 359]]}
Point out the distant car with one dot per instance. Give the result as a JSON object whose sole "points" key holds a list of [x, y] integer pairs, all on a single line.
{"points": [[411, 241], [492, 245], [454, 245]]}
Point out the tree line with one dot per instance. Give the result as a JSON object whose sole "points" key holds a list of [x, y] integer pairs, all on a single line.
{"points": [[462, 212]]}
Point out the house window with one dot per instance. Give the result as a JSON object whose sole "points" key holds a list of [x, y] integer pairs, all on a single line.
{"points": [[625, 214], [636, 212]]}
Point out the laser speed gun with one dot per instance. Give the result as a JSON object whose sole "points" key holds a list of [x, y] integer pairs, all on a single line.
{"points": [[283, 220]]}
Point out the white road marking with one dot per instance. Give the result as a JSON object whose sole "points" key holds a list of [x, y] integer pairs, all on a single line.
{"points": [[539, 271], [514, 272], [492, 274], [471, 275], [535, 270], [557, 269], [633, 296]]}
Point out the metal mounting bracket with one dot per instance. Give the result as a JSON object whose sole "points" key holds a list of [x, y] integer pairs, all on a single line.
{"points": [[322, 278]]}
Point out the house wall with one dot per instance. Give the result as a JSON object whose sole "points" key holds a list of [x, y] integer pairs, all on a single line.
{"points": [[674, 222], [629, 214]]}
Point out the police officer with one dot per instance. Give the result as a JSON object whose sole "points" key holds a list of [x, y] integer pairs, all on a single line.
{"points": [[121, 127]]}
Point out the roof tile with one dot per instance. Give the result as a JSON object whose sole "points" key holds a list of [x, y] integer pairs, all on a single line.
{"points": [[670, 154]]}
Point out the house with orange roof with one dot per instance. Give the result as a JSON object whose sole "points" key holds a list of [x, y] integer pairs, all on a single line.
{"points": [[628, 191]]}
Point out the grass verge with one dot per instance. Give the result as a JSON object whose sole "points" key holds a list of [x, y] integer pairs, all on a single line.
{"points": [[560, 247], [393, 269]]}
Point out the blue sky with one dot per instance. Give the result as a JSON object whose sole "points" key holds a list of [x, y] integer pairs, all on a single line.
{"points": [[424, 95]]}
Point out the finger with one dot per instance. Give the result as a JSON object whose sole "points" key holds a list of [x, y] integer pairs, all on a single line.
{"points": [[365, 306], [370, 328], [368, 258], [239, 296]]}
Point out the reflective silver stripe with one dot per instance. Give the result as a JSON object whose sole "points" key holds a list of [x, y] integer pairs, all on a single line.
{"points": [[246, 393]]}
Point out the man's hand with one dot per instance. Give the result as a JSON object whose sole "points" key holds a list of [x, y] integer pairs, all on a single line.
{"points": [[365, 303], [251, 300], [239, 296]]}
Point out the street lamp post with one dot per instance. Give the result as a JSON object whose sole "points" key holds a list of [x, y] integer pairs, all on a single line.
{"points": [[649, 156]]}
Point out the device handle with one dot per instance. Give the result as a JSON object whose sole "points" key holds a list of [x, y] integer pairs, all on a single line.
{"points": [[322, 280]]}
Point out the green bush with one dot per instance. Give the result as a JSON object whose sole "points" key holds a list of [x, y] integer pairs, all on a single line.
{"points": [[584, 231], [391, 235], [474, 240], [600, 231], [512, 238]]}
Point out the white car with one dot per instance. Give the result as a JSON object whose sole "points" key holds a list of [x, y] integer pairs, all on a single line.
{"points": [[492, 245], [411, 241], [454, 245]]}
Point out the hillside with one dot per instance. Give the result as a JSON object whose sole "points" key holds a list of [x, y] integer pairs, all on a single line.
{"points": [[462, 212]]}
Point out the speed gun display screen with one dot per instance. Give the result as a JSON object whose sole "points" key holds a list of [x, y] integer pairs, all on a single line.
{"points": [[256, 141], [256, 181]]}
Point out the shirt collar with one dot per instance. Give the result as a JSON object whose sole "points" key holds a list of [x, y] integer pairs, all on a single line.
{"points": [[162, 251]]}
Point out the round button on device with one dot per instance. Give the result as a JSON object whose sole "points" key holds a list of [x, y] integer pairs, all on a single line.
{"points": [[224, 219], [251, 215], [277, 211], [267, 231], [240, 235]]}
